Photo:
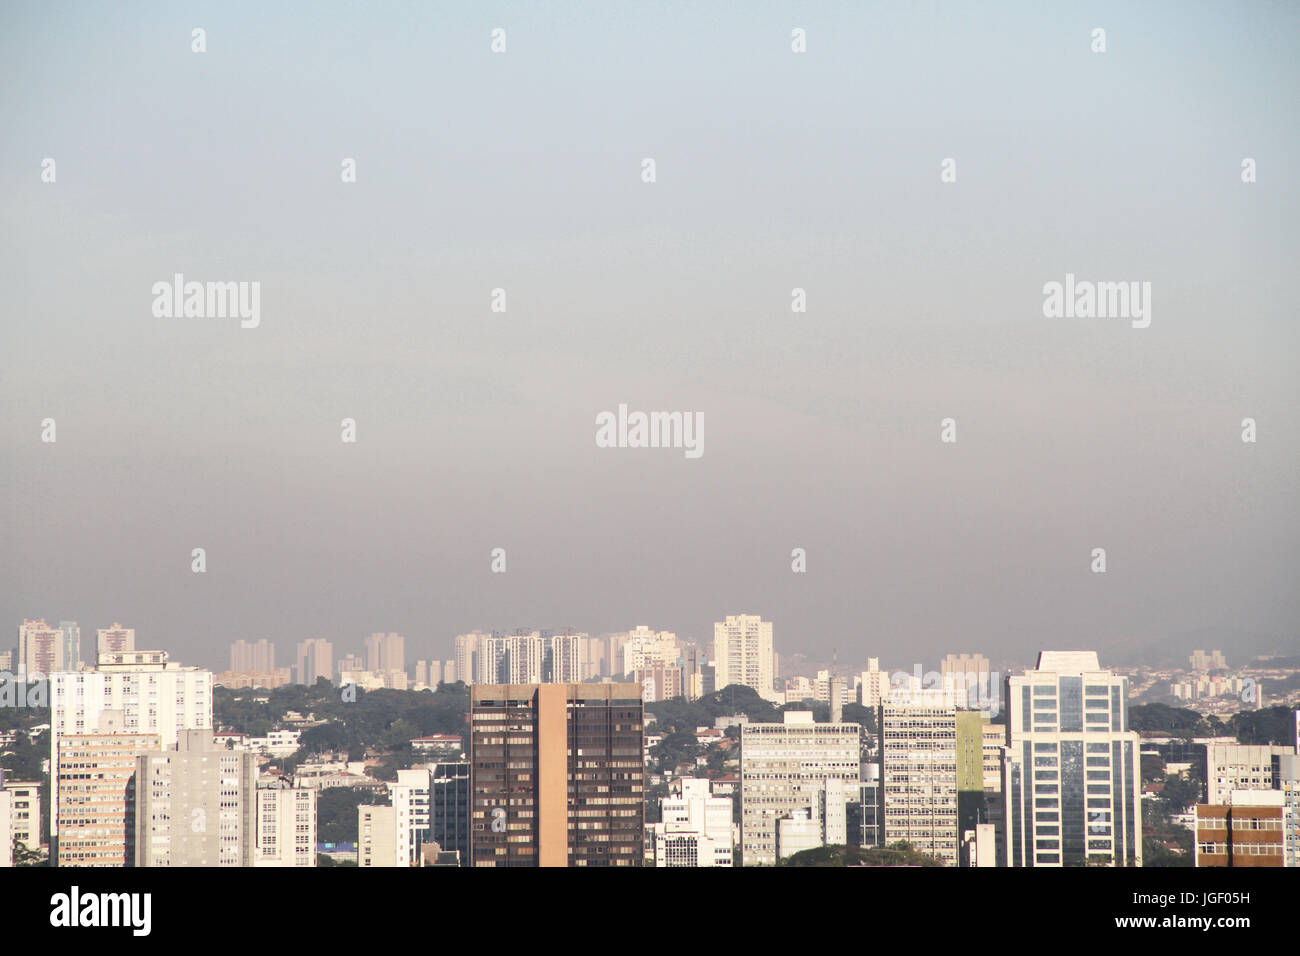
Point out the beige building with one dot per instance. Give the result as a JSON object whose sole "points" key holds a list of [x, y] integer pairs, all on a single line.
{"points": [[114, 639], [25, 816], [313, 660], [40, 650], [96, 805], [742, 654], [286, 827], [378, 844]]}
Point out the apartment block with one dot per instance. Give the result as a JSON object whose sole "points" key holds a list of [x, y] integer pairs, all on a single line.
{"points": [[114, 639], [784, 768], [313, 659], [152, 695], [286, 827], [25, 812], [743, 654], [196, 805], [94, 777]]}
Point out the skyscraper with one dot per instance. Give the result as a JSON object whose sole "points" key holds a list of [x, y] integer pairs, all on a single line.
{"points": [[557, 775], [918, 771], [1072, 783], [742, 653]]}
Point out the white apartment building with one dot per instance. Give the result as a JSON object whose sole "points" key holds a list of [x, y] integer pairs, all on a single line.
{"points": [[742, 654], [153, 694], [918, 772], [872, 684], [694, 828], [286, 827], [1072, 782], [533, 658], [645, 648], [410, 796], [785, 767]]}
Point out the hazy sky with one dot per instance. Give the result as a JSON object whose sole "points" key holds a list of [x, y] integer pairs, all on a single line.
{"points": [[775, 170]]}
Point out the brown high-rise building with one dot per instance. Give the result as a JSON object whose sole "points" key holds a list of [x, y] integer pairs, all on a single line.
{"points": [[557, 775]]}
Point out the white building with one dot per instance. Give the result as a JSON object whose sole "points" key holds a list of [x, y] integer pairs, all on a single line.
{"points": [[531, 658], [286, 827], [154, 696], [410, 796], [742, 654], [785, 767], [1072, 783], [1239, 767], [694, 828]]}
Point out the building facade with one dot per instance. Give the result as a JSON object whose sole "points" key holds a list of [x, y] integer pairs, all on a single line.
{"points": [[1072, 784], [557, 775]]}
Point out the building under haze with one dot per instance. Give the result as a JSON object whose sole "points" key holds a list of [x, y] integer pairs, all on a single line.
{"points": [[314, 659], [557, 775], [114, 639], [742, 654], [1072, 782]]}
